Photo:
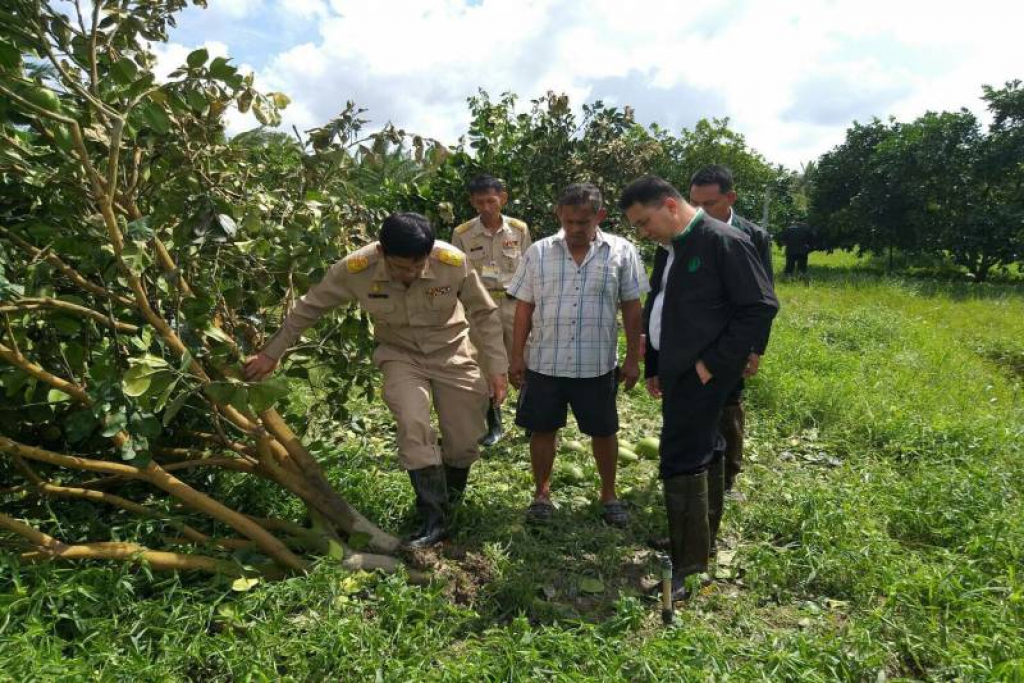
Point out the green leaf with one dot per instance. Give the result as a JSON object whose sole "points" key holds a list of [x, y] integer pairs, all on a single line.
{"points": [[243, 584], [156, 117], [197, 58], [591, 585], [176, 405], [146, 425], [124, 71], [80, 425], [114, 422], [57, 396], [220, 68], [220, 392], [137, 380], [265, 394], [215, 333], [359, 540], [279, 99], [197, 101], [10, 56]]}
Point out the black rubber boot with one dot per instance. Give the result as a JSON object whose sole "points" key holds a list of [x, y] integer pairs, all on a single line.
{"points": [[686, 503], [456, 478], [431, 504], [731, 425], [495, 430], [716, 499]]}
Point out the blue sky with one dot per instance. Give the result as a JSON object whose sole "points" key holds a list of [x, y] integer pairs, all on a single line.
{"points": [[790, 75]]}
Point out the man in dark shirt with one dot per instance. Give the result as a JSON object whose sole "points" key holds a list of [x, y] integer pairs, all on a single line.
{"points": [[798, 239], [712, 189], [710, 305]]}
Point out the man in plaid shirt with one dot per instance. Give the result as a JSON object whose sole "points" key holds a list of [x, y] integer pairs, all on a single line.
{"points": [[567, 289]]}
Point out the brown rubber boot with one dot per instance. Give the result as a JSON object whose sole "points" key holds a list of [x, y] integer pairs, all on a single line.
{"points": [[716, 499], [731, 425]]}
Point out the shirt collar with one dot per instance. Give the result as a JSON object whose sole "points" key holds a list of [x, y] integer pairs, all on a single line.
{"points": [[697, 218], [732, 217], [599, 238], [480, 229]]}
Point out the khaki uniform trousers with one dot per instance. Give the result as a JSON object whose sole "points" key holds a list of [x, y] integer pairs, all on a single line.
{"points": [[507, 313], [458, 392]]}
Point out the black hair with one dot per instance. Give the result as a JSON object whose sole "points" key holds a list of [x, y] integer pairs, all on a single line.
{"points": [[406, 235], [715, 174], [582, 194], [485, 183], [648, 189]]}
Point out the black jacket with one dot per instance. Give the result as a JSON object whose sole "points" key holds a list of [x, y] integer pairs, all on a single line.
{"points": [[718, 307], [761, 239]]}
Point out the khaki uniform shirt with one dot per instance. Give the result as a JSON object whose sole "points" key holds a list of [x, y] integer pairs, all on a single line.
{"points": [[428, 317], [494, 256]]}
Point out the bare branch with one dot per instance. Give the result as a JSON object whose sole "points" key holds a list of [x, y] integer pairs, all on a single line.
{"points": [[68, 307]]}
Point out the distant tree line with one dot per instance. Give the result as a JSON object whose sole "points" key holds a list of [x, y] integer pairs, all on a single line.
{"points": [[941, 187]]}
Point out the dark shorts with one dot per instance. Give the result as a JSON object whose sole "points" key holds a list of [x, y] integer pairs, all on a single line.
{"points": [[543, 403]]}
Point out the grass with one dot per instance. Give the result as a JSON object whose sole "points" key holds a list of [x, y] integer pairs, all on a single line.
{"points": [[882, 537]]}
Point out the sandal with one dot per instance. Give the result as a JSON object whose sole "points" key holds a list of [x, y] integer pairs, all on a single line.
{"points": [[614, 513], [539, 512]]}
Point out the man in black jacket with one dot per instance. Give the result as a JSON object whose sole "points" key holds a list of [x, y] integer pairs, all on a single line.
{"points": [[711, 189], [710, 305]]}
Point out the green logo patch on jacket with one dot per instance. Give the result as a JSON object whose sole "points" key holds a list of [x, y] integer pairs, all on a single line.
{"points": [[694, 264]]}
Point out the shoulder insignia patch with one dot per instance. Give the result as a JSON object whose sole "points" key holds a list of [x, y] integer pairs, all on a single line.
{"points": [[357, 264], [518, 224], [464, 227], [449, 257]]}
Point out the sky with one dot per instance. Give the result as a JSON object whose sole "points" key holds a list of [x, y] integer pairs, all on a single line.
{"points": [[791, 76]]}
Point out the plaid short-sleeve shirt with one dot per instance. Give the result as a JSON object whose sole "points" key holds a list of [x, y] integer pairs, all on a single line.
{"points": [[575, 329]]}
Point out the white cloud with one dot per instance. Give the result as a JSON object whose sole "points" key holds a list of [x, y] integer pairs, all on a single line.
{"points": [[791, 76], [170, 56]]}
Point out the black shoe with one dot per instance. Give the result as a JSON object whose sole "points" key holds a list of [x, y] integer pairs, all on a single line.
{"points": [[495, 430], [456, 478], [431, 505]]}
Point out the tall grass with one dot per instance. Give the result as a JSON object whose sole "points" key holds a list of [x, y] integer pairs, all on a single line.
{"points": [[882, 536]]}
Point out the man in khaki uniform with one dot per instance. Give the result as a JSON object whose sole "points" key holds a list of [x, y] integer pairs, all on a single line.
{"points": [[418, 293], [495, 244]]}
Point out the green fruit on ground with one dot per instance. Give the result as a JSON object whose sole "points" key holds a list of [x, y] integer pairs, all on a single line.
{"points": [[648, 447], [626, 455], [628, 445], [574, 446], [574, 473]]}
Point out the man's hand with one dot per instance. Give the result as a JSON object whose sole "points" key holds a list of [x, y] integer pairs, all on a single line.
{"points": [[517, 371], [259, 366], [654, 387], [499, 388], [703, 372], [753, 363], [629, 373]]}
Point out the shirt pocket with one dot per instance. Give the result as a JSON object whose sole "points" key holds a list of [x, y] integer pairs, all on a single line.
{"points": [[440, 304], [381, 310], [602, 279]]}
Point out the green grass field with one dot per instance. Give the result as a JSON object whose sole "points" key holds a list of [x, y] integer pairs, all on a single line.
{"points": [[882, 537]]}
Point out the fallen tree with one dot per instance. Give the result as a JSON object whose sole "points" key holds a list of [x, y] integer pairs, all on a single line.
{"points": [[142, 256]]}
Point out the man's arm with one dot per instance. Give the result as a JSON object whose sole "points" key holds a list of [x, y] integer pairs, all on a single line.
{"points": [[520, 333], [483, 320], [330, 292], [632, 323], [754, 306]]}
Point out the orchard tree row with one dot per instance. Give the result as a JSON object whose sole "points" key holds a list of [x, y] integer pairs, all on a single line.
{"points": [[941, 187]]}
